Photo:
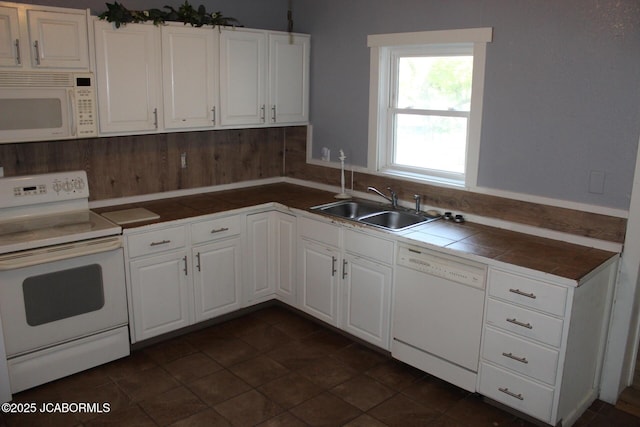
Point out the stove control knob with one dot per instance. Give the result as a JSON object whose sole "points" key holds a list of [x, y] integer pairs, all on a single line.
{"points": [[57, 186]]}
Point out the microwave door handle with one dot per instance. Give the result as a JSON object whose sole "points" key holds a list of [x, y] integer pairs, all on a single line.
{"points": [[72, 112]]}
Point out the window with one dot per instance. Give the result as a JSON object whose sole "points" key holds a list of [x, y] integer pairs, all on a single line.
{"points": [[426, 104]]}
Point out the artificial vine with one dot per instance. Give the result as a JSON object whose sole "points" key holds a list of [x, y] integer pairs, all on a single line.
{"points": [[187, 14]]}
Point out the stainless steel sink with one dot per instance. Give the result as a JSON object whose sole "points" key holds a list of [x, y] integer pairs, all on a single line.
{"points": [[350, 209], [375, 214], [395, 220]]}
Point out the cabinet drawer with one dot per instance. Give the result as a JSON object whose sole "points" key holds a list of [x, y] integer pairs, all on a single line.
{"points": [[520, 355], [320, 231], [526, 323], [516, 391], [156, 241], [528, 292], [369, 246], [213, 229]]}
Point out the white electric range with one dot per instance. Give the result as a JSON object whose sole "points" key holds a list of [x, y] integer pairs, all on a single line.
{"points": [[62, 289]]}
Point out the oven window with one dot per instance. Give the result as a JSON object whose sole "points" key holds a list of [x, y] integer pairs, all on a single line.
{"points": [[62, 294]]}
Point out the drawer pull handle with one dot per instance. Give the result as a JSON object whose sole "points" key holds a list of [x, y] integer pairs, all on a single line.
{"points": [[505, 390], [219, 230], [516, 322], [519, 359], [162, 242], [524, 294]]}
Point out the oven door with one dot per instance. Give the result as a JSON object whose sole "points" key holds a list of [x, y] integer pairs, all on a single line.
{"points": [[61, 293]]}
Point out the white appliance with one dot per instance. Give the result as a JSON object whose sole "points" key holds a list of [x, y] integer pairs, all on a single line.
{"points": [[37, 106], [62, 284], [437, 314]]}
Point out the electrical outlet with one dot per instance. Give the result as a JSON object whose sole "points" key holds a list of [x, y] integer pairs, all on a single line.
{"points": [[183, 160], [596, 182]]}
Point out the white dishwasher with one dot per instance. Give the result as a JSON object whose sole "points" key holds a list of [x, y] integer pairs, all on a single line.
{"points": [[437, 314]]}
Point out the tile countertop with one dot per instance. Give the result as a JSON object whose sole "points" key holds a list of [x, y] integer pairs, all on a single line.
{"points": [[561, 259]]}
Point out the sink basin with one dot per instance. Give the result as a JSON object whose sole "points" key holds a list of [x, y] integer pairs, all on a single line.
{"points": [[350, 209], [395, 220], [374, 214]]}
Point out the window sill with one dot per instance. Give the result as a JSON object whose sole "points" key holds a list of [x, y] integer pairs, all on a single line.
{"points": [[423, 179]]}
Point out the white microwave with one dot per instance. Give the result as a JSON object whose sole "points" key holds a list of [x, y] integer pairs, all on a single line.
{"points": [[41, 106]]}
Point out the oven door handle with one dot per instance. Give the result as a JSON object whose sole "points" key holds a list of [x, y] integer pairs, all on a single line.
{"points": [[57, 253]]}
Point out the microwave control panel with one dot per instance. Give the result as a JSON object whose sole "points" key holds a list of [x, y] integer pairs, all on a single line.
{"points": [[85, 106]]}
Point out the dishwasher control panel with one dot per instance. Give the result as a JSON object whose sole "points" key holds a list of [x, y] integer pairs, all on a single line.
{"points": [[449, 268]]}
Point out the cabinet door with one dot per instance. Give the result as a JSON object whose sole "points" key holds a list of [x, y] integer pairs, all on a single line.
{"points": [[160, 294], [243, 58], [127, 66], [367, 301], [216, 278], [288, 78], [261, 243], [10, 54], [318, 281], [58, 40], [285, 252], [189, 64]]}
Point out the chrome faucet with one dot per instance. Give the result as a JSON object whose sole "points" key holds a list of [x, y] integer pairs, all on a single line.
{"points": [[393, 199]]}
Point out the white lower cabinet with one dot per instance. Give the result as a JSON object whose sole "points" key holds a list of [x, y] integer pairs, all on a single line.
{"points": [[159, 287], [271, 257], [216, 278], [183, 274], [319, 281], [160, 294], [344, 280], [367, 288], [543, 343]]}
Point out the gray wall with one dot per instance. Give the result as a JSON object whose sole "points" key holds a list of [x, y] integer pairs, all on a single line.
{"points": [[562, 92]]}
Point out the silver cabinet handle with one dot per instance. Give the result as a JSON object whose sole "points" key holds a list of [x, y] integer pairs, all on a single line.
{"points": [[155, 118], [219, 230], [333, 265], [519, 359], [273, 113], [213, 113], [505, 390], [524, 294], [344, 268], [186, 272], [516, 322], [198, 261], [18, 59], [262, 114], [162, 242], [37, 47]]}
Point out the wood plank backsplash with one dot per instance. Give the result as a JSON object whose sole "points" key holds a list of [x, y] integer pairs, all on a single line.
{"points": [[135, 165], [143, 164], [570, 221]]}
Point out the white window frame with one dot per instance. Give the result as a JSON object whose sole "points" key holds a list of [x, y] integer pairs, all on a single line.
{"points": [[383, 47]]}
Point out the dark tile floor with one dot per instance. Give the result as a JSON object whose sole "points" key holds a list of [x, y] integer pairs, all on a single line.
{"points": [[271, 367]]}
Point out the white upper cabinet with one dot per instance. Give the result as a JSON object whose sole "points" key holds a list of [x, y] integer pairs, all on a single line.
{"points": [[289, 78], [264, 77], [243, 77], [189, 76], [128, 75], [43, 38], [10, 54], [58, 40]]}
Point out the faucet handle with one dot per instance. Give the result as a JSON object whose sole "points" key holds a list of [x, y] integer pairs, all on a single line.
{"points": [[417, 198]]}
